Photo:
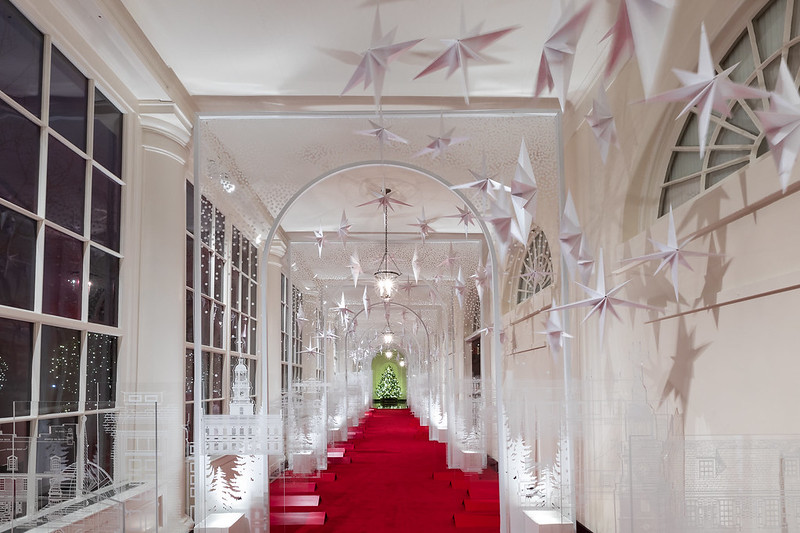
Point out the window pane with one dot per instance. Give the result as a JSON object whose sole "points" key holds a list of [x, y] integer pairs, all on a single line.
{"points": [[17, 259], [218, 318], [253, 262], [234, 288], [189, 381], [216, 382], [235, 331], [21, 48], [103, 287], [253, 341], [189, 316], [63, 272], [245, 256], [244, 330], [60, 373], [219, 277], [69, 95], [106, 210], [235, 248], [19, 157], [684, 164], [189, 261], [56, 445], [206, 216], [66, 183], [740, 53], [206, 371], [206, 323], [769, 28], [253, 290], [100, 465], [107, 145], [219, 232], [190, 208], [16, 358], [205, 270], [675, 195], [14, 449], [101, 371], [252, 368]]}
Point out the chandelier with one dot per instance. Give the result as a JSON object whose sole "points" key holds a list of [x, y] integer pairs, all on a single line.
{"points": [[388, 334], [387, 274]]}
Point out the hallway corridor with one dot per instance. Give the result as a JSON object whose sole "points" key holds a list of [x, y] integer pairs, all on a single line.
{"points": [[396, 480]]}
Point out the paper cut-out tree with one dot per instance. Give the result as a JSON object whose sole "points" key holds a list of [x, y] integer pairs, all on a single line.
{"points": [[388, 386]]}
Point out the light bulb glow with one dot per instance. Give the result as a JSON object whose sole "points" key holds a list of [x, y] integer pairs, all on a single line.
{"points": [[389, 354], [387, 338], [402, 362]]}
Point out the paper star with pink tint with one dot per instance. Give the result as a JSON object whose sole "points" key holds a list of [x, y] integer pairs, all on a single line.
{"points": [[574, 247], [781, 124], [601, 300], [460, 51], [320, 239], [355, 267], [707, 90], [558, 53], [602, 123], [484, 184], [524, 189], [465, 217], [451, 259], [407, 287], [423, 225], [382, 134], [384, 199], [460, 286], [343, 310], [481, 278], [375, 61], [440, 144], [365, 301], [344, 228], [555, 333], [670, 254], [416, 264]]}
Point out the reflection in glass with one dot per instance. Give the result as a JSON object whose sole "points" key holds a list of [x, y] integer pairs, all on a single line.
{"points": [[101, 371], [19, 157], [103, 287], [15, 446], [63, 272], [107, 146], [69, 94], [16, 358], [66, 183], [56, 453], [17, 259], [216, 382], [106, 210], [21, 49], [99, 458], [60, 370]]}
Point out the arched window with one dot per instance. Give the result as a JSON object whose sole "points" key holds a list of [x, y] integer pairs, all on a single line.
{"points": [[738, 140], [537, 266]]}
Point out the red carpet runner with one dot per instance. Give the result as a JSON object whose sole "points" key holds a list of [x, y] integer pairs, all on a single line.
{"points": [[388, 485]]}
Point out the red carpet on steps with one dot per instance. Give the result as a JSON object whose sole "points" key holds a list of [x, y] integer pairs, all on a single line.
{"points": [[397, 482]]}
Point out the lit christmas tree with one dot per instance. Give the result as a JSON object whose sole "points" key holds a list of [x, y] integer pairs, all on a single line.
{"points": [[388, 386]]}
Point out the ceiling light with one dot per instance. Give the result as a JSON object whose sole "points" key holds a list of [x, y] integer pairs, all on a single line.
{"points": [[402, 362], [388, 335], [389, 354], [386, 275]]}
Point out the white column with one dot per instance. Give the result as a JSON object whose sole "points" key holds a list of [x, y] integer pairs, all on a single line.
{"points": [[274, 267]]}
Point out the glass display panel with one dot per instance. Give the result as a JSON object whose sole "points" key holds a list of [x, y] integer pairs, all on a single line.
{"points": [[16, 359], [19, 157], [101, 371], [59, 380], [21, 58], [69, 96], [107, 145], [63, 273], [56, 452], [17, 259], [103, 287], [66, 186], [106, 210], [99, 453]]}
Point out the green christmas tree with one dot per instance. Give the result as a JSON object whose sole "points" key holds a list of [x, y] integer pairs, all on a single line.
{"points": [[388, 386]]}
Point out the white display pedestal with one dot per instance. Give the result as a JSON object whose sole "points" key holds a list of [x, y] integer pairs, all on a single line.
{"points": [[224, 523], [546, 521], [469, 461]]}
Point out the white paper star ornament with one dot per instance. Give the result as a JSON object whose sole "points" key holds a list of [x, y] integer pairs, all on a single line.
{"points": [[602, 123], [355, 267], [320, 239], [555, 333], [484, 184], [524, 189], [382, 134]]}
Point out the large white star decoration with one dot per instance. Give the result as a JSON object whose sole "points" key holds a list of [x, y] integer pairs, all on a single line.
{"points": [[344, 228], [459, 51], [382, 134], [375, 61], [558, 53], [416, 264], [343, 310], [310, 350], [555, 333], [574, 247], [460, 288], [602, 123], [481, 278], [640, 28], [301, 318], [484, 184], [355, 267], [524, 189], [671, 254], [440, 144], [707, 90], [450, 261], [423, 225], [320, 239], [383, 198], [533, 275], [465, 217], [601, 301], [781, 124], [504, 221]]}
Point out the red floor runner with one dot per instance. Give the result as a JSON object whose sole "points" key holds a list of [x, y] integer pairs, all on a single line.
{"points": [[389, 486]]}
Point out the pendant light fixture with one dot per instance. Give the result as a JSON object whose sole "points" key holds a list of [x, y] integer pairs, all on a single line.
{"points": [[387, 273]]}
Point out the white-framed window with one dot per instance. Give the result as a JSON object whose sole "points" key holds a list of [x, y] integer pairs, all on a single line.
{"points": [[736, 141], [537, 266], [706, 468], [291, 337]]}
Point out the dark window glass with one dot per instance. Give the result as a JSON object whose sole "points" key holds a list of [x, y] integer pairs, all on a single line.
{"points": [[103, 287], [63, 273], [244, 329], [245, 256], [254, 263], [253, 289], [234, 331], [17, 259], [217, 318], [189, 381], [252, 366], [99, 442], [219, 232], [216, 382], [21, 48], [206, 322], [107, 146], [69, 96], [15, 447], [101, 371], [66, 183], [206, 219], [56, 449], [19, 156], [60, 372], [190, 208], [235, 248], [235, 288], [253, 325], [219, 277], [189, 261], [205, 371], [16, 357], [189, 316], [245, 295], [106, 210], [205, 270]]}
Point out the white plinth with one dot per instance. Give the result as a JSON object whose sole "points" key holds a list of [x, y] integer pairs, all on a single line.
{"points": [[546, 521], [223, 523]]}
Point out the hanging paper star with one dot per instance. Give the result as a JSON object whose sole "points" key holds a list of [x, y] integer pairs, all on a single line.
{"points": [[344, 228], [532, 276], [416, 264], [343, 310], [558, 53], [440, 144], [671, 254], [707, 90], [602, 123], [465, 217], [375, 61], [524, 189], [460, 50], [640, 28], [407, 286], [319, 237], [574, 247], [355, 267], [365, 301], [424, 225], [301, 318], [451, 260], [384, 198], [600, 300], [555, 333], [382, 134], [781, 124], [504, 220], [460, 287], [481, 277], [483, 183], [330, 334], [310, 349]]}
